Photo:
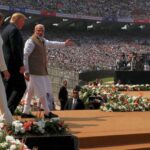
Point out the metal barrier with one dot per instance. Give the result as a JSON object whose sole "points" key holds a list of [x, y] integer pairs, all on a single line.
{"points": [[57, 75]]}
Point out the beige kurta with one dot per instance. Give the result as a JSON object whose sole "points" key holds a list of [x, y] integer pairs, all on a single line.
{"points": [[3, 101]]}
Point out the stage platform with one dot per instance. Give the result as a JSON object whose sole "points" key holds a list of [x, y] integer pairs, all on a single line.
{"points": [[98, 130], [137, 93]]}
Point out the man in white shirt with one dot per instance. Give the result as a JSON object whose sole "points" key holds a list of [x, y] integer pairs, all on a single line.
{"points": [[35, 61]]}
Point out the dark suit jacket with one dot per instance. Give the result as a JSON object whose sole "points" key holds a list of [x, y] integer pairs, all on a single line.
{"points": [[63, 94], [79, 105], [13, 47]]}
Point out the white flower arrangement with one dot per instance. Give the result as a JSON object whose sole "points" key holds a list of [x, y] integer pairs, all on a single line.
{"points": [[18, 127], [39, 127], [8, 142]]}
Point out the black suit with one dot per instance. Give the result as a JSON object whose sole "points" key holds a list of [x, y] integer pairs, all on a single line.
{"points": [[13, 53], [63, 96], [78, 106]]}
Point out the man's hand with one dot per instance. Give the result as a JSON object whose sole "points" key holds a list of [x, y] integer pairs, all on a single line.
{"points": [[27, 76], [69, 42], [22, 70], [6, 75]]}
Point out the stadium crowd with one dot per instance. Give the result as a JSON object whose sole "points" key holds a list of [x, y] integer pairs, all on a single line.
{"points": [[93, 51], [101, 8]]}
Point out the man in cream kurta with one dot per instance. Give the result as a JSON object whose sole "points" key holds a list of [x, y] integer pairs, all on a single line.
{"points": [[35, 61], [3, 101]]}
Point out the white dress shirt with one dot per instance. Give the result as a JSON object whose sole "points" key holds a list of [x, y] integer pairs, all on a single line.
{"points": [[74, 102]]}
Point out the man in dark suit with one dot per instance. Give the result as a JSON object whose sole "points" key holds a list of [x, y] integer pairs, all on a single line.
{"points": [[74, 103], [63, 95], [13, 52]]}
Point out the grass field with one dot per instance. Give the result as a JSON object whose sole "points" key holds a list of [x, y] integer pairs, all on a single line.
{"points": [[108, 80]]}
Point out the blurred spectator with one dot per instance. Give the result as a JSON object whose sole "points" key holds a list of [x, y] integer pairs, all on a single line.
{"points": [[74, 103], [121, 62], [63, 95]]}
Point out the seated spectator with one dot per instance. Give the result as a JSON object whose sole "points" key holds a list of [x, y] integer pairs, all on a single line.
{"points": [[75, 103]]}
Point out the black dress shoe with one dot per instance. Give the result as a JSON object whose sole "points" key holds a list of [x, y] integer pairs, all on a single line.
{"points": [[50, 115], [23, 115]]}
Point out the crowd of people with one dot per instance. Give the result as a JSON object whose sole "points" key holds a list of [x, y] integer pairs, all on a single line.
{"points": [[101, 8], [131, 62], [93, 51], [104, 8]]}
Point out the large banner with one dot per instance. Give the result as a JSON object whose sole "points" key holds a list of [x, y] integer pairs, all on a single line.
{"points": [[141, 21], [76, 16], [4, 7], [32, 11], [125, 20], [108, 19], [16, 9], [48, 13]]}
